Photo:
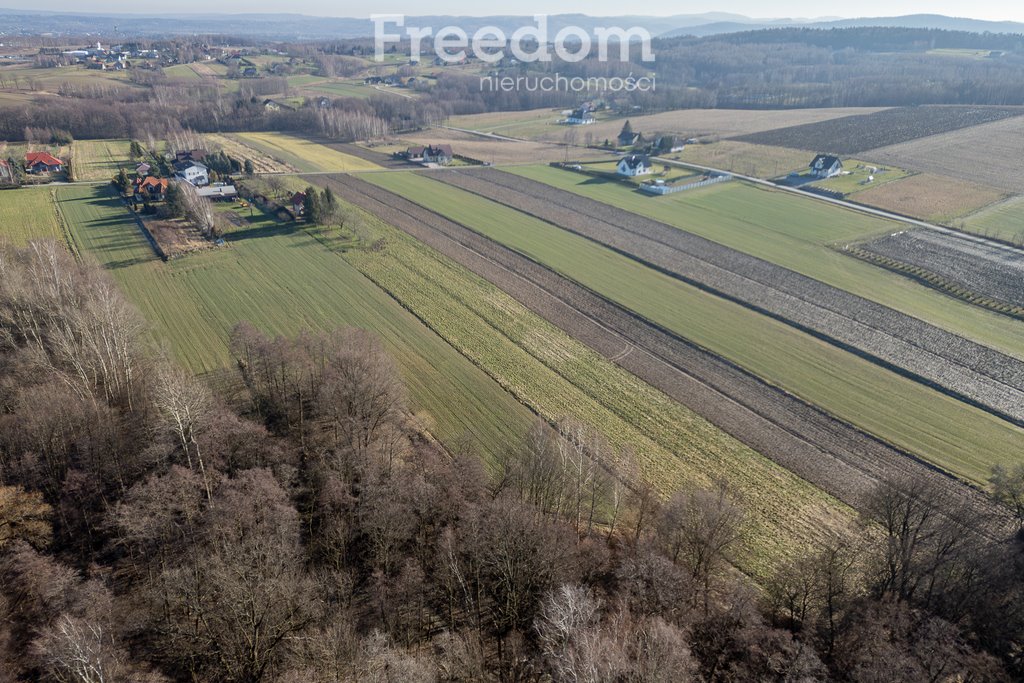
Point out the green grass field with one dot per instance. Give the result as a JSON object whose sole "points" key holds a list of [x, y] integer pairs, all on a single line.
{"points": [[856, 178], [341, 89], [954, 436], [28, 213], [100, 160], [1004, 221], [182, 72], [305, 155], [283, 280], [796, 232], [559, 377], [527, 124]]}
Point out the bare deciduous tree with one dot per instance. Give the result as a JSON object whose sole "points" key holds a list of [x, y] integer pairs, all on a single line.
{"points": [[184, 403], [701, 530]]}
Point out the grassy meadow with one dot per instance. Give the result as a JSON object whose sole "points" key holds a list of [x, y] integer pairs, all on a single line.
{"points": [[283, 280], [28, 213], [305, 155], [100, 160]]}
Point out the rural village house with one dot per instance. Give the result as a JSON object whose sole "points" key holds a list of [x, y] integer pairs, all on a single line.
{"points": [[193, 172], [826, 166], [668, 144], [154, 189], [6, 173], [298, 201], [441, 155], [143, 169], [42, 162], [438, 154], [190, 155], [627, 137], [580, 117], [634, 165]]}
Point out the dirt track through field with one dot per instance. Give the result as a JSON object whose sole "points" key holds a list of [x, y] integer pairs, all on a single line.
{"points": [[956, 366], [825, 451]]}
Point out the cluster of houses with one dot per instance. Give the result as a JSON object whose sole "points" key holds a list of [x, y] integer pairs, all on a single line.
{"points": [[430, 155], [188, 166], [99, 58], [392, 81], [656, 144]]}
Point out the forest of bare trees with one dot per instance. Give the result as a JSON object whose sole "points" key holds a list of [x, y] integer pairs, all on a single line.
{"points": [[306, 530]]}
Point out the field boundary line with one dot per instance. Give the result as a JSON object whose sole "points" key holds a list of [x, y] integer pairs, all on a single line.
{"points": [[862, 461], [821, 335], [65, 227]]}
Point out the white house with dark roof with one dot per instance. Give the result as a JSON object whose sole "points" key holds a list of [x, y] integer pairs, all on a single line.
{"points": [[826, 166], [634, 165], [580, 117], [192, 171]]}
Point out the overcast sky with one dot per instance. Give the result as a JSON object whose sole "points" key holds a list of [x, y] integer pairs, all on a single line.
{"points": [[1006, 10]]}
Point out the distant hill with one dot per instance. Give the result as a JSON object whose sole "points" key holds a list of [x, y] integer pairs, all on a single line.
{"points": [[302, 27], [924, 21]]}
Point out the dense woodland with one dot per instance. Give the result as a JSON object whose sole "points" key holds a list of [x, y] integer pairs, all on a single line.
{"points": [[298, 525], [785, 68]]}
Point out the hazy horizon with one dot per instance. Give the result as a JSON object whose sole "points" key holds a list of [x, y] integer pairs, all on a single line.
{"points": [[787, 9]]}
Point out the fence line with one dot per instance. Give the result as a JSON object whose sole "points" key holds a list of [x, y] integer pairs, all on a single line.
{"points": [[653, 188]]}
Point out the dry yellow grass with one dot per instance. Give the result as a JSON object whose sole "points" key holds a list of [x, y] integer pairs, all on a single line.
{"points": [[988, 154], [931, 197], [541, 124], [759, 161], [306, 155], [262, 162], [499, 151]]}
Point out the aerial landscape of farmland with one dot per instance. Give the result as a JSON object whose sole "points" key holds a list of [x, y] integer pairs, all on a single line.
{"points": [[329, 356]]}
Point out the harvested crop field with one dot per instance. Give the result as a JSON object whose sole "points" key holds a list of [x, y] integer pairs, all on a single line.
{"points": [[725, 123], [858, 134], [989, 155], [541, 124], [819, 448], [930, 197], [979, 267], [261, 161], [499, 151], [880, 333], [903, 411], [796, 232], [559, 377]]}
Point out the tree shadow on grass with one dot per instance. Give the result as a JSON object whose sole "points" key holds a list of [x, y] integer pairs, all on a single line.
{"points": [[272, 230]]}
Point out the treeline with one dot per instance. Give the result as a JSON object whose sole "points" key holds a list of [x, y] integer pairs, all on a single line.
{"points": [[878, 39], [841, 67], [150, 531]]}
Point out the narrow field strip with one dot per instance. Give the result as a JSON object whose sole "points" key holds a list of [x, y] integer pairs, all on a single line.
{"points": [[799, 234], [559, 377], [305, 155], [914, 417], [933, 357]]}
